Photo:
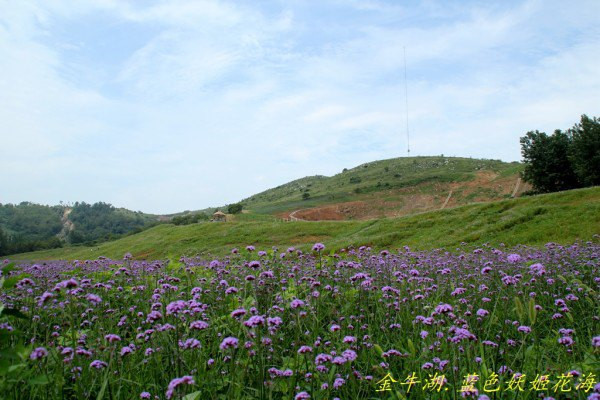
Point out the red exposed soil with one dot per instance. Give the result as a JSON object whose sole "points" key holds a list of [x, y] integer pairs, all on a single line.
{"points": [[486, 186]]}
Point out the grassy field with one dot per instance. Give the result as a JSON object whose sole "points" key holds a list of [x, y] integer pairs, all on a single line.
{"points": [[559, 217]]}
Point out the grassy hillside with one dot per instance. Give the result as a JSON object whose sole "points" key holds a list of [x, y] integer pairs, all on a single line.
{"points": [[392, 182], [559, 217]]}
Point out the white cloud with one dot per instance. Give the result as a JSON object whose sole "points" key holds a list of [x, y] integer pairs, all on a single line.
{"points": [[214, 101]]}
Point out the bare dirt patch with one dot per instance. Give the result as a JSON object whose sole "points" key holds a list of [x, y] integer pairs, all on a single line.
{"points": [[486, 186]]}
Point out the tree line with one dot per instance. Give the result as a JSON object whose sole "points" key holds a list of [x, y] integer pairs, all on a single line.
{"points": [[28, 226], [565, 159]]}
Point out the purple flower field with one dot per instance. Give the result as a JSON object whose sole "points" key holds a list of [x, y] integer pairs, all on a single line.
{"points": [[272, 324]]}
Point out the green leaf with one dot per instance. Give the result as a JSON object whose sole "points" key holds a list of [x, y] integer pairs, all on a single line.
{"points": [[10, 282], [4, 366], [8, 354], [532, 311], [6, 334], [570, 317], [16, 367], [39, 380], [399, 395], [528, 352], [192, 396], [351, 295], [288, 362], [591, 301], [378, 349], [411, 347], [520, 310], [484, 369], [249, 302], [7, 268], [14, 312], [102, 389], [291, 291]]}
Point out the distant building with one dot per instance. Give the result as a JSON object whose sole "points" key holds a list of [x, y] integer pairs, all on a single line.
{"points": [[219, 217]]}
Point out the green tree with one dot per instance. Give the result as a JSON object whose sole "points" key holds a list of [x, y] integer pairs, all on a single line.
{"points": [[547, 164], [3, 243], [584, 152], [235, 208]]}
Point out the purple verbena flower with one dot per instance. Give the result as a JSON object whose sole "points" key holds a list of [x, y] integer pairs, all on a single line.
{"points": [[229, 343], [184, 380], [318, 247], [98, 364], [37, 353]]}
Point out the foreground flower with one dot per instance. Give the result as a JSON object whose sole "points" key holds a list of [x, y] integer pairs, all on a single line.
{"points": [[482, 313], [513, 258], [238, 313], [443, 308], [349, 355], [176, 307], [318, 247], [94, 299], [229, 342], [44, 298], [255, 320], [126, 350], [305, 349], [98, 364], [190, 344], [524, 329], [296, 303], [39, 352], [302, 396], [200, 325], [338, 383], [112, 338], [187, 380]]}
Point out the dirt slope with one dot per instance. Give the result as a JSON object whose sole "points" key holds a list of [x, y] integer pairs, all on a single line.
{"points": [[487, 186]]}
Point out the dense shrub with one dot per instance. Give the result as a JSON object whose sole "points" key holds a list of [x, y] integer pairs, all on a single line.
{"points": [[235, 208], [189, 219]]}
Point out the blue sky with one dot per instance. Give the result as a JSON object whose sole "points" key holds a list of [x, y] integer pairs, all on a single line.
{"points": [[164, 106]]}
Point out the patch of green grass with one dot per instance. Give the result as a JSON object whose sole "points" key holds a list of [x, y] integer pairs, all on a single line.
{"points": [[484, 192], [558, 217]]}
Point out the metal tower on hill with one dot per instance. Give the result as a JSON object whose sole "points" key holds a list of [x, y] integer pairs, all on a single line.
{"points": [[406, 103]]}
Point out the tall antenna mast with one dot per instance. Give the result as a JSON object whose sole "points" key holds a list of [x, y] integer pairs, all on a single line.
{"points": [[406, 100]]}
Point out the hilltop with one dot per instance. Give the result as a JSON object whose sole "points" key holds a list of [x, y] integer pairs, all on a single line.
{"points": [[562, 217], [389, 188]]}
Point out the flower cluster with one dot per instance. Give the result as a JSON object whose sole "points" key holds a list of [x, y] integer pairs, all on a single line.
{"points": [[311, 325]]}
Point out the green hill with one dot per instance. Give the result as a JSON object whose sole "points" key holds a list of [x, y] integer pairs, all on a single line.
{"points": [[386, 188], [398, 186], [29, 226], [562, 217]]}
